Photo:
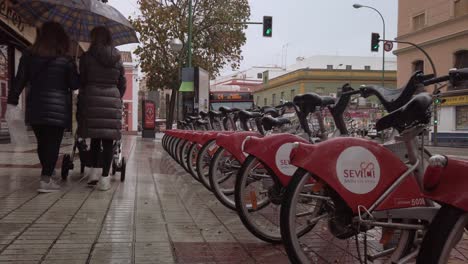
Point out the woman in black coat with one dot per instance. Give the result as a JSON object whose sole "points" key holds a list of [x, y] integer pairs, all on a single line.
{"points": [[51, 76], [100, 101]]}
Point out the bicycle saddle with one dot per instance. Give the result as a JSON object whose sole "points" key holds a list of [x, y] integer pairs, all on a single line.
{"points": [[225, 110], [270, 111], [246, 115], [269, 122], [327, 100], [193, 118], [308, 102], [203, 114], [392, 99], [213, 113], [201, 122], [416, 111]]}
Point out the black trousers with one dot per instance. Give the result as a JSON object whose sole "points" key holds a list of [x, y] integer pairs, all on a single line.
{"points": [[107, 153], [49, 139]]}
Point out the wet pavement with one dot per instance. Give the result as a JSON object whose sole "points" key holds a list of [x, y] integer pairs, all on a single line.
{"points": [[158, 215]]}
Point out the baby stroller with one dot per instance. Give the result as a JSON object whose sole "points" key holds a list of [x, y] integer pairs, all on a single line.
{"points": [[118, 161]]}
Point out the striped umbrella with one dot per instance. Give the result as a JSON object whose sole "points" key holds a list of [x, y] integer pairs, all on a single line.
{"points": [[78, 17]]}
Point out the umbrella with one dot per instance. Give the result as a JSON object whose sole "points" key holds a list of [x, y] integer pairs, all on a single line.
{"points": [[78, 17]]}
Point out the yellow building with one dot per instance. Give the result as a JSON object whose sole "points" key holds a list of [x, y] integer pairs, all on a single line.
{"points": [[320, 81]]}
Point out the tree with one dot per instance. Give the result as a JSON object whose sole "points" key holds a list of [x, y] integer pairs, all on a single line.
{"points": [[216, 41]]}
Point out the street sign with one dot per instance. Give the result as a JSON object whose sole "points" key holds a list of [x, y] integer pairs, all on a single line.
{"points": [[388, 46]]}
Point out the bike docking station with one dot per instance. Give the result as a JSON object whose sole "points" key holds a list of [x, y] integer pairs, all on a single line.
{"points": [[149, 119]]}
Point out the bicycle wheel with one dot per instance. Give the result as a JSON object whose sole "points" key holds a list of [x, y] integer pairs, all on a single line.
{"points": [[446, 230], [163, 141], [339, 236], [258, 197], [183, 154], [203, 162], [222, 175], [192, 161], [172, 145], [178, 150]]}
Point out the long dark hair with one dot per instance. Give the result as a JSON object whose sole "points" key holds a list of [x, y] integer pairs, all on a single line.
{"points": [[51, 41], [101, 36]]}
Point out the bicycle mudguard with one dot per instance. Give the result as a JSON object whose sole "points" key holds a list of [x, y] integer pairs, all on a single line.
{"points": [[360, 171], [171, 132], [196, 137], [210, 135], [452, 184], [274, 151], [234, 143]]}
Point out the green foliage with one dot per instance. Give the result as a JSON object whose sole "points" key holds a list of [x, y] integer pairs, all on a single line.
{"points": [[216, 41]]}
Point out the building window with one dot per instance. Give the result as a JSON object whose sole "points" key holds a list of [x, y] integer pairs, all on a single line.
{"points": [[367, 68], [329, 67], [259, 75], [461, 61], [282, 96], [462, 117], [418, 65], [273, 99], [320, 90], [293, 93], [419, 21], [460, 8], [349, 67], [258, 100], [265, 101]]}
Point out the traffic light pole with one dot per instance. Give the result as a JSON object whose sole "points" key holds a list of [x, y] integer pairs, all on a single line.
{"points": [[436, 124]]}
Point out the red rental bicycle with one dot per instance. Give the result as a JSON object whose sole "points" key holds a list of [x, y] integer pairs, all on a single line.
{"points": [[363, 190]]}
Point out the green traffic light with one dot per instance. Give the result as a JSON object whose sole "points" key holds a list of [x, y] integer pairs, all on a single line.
{"points": [[436, 121], [268, 31], [376, 46]]}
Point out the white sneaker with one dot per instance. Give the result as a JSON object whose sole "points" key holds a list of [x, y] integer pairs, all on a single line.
{"points": [[104, 183], [48, 187], [93, 177]]}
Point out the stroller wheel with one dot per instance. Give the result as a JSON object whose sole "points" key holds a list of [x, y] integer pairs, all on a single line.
{"points": [[65, 166], [122, 170], [114, 167]]}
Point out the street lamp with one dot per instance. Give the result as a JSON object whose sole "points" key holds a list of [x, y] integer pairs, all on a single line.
{"points": [[383, 50], [176, 45]]}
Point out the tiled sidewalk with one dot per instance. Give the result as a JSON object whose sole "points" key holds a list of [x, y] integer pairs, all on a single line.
{"points": [[158, 215]]}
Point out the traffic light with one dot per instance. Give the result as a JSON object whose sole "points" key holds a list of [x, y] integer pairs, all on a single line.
{"points": [[267, 26], [438, 101], [436, 121], [375, 42]]}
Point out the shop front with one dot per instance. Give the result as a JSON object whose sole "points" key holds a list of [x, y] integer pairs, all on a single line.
{"points": [[15, 37], [453, 119]]}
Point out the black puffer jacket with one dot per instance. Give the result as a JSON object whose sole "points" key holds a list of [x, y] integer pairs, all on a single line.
{"points": [[102, 87], [51, 81]]}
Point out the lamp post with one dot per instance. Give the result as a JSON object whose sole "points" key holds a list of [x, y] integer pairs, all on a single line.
{"points": [[176, 46], [383, 50]]}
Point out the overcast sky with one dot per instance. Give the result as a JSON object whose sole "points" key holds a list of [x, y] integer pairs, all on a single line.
{"points": [[307, 28]]}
